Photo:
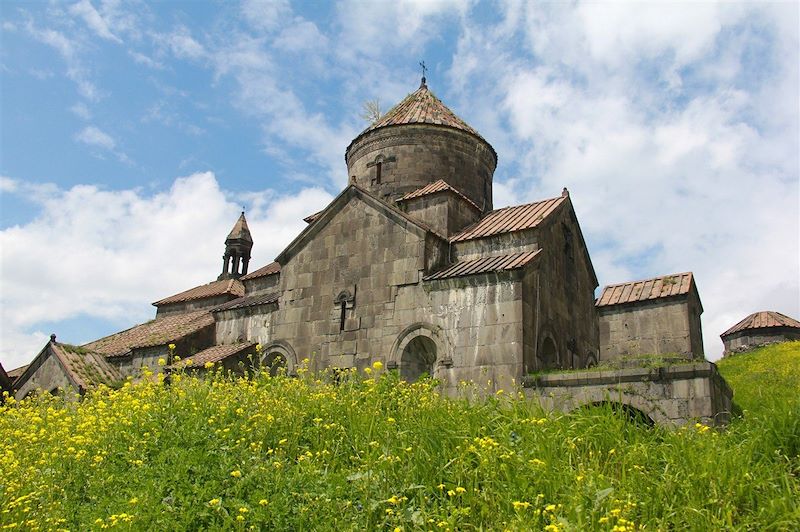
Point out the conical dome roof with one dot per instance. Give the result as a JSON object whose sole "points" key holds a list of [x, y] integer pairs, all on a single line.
{"points": [[240, 230], [421, 107]]}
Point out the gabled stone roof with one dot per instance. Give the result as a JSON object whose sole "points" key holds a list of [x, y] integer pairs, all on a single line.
{"points": [[352, 191], [673, 285], [232, 287], [269, 269], [765, 319], [83, 367], [214, 354], [433, 188], [160, 331]]}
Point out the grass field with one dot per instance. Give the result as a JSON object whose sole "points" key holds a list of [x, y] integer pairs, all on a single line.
{"points": [[376, 453]]}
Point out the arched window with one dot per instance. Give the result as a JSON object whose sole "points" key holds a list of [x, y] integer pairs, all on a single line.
{"points": [[548, 354], [275, 363], [418, 358]]}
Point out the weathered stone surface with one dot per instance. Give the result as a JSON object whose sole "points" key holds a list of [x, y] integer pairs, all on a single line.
{"points": [[673, 395]]}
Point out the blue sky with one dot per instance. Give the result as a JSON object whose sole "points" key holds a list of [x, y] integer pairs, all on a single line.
{"points": [[132, 133]]}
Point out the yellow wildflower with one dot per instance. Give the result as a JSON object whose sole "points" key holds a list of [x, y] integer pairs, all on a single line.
{"points": [[208, 365], [520, 505], [214, 502], [171, 347], [460, 490], [377, 365], [236, 474], [162, 362], [263, 502]]}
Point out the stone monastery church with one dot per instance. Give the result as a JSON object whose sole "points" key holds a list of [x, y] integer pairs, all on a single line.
{"points": [[409, 265]]}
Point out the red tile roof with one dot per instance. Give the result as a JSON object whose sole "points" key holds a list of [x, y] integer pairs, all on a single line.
{"points": [[763, 320], [16, 372], [656, 288], [249, 301], [484, 265], [233, 287], [269, 269], [437, 186], [421, 107], [214, 354], [160, 331], [510, 219], [85, 368]]}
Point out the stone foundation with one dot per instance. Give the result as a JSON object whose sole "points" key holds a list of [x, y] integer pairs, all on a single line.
{"points": [[674, 395]]}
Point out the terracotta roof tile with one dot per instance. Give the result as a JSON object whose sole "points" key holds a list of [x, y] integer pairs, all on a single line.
{"points": [[656, 288], [16, 372], [233, 287], [510, 219], [214, 354], [763, 320], [85, 368], [437, 186], [160, 331], [269, 269], [484, 265], [249, 301], [420, 107]]}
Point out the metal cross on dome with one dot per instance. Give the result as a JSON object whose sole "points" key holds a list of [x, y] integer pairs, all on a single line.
{"points": [[424, 71]]}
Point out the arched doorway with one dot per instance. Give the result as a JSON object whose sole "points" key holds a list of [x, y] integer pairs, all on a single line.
{"points": [[548, 354], [418, 358], [275, 363]]}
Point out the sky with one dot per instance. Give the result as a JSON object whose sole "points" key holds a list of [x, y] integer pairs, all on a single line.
{"points": [[133, 133]]}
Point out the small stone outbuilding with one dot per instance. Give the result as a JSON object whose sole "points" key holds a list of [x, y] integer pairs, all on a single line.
{"points": [[659, 316], [760, 328]]}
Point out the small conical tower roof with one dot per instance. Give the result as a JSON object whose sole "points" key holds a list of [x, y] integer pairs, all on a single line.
{"points": [[240, 230], [237, 250]]}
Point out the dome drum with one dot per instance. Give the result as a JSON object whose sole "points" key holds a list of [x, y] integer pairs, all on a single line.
{"points": [[393, 161]]}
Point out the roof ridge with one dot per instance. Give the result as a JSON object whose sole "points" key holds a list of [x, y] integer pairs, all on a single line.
{"points": [[648, 279]]}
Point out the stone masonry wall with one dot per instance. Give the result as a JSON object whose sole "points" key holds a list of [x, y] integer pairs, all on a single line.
{"points": [[49, 376], [561, 298], [252, 324], [647, 328], [262, 285], [751, 338], [415, 155], [362, 255], [673, 395], [443, 212], [516, 242], [191, 306]]}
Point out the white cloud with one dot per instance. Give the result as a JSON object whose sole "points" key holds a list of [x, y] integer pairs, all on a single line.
{"points": [[266, 14], [7, 184], [674, 161], [93, 20], [301, 35], [183, 45], [107, 254], [93, 136], [145, 60], [81, 111]]}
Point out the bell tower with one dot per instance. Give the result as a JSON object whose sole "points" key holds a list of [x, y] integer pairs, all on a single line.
{"points": [[237, 250]]}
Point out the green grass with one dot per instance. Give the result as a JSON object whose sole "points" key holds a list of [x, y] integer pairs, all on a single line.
{"points": [[378, 454]]}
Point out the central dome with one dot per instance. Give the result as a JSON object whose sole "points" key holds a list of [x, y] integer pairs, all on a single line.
{"points": [[418, 142]]}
